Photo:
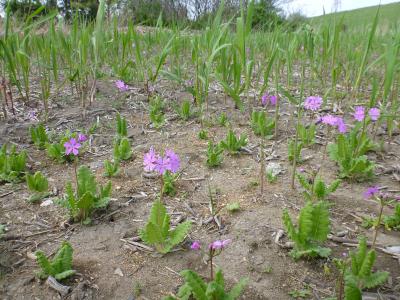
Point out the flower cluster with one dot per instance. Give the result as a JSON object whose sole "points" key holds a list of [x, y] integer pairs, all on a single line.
{"points": [[73, 145], [313, 103], [359, 113], [122, 86], [334, 121], [216, 245], [375, 191], [155, 162], [269, 99]]}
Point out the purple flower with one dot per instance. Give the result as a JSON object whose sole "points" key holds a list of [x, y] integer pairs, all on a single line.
{"points": [[341, 125], [359, 113], [161, 165], [122, 86], [370, 192], [219, 244], [150, 160], [72, 146], [313, 103], [374, 113], [266, 99], [172, 160], [195, 245], [82, 138], [329, 120], [32, 115]]}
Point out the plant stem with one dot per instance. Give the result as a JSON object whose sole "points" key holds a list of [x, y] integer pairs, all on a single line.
{"points": [[162, 189], [211, 264], [262, 166], [76, 173], [378, 223]]}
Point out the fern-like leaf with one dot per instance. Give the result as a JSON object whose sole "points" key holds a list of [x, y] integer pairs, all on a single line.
{"points": [[319, 222], [375, 279], [196, 283], [177, 235], [44, 264]]}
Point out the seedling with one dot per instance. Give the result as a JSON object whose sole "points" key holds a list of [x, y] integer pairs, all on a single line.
{"points": [[60, 267], [39, 136], [37, 184], [184, 111], [122, 149], [312, 230], [158, 233], [233, 144], [111, 169], [214, 155], [87, 197], [203, 134], [12, 164]]}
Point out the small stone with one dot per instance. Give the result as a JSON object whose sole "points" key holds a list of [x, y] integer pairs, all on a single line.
{"points": [[46, 203], [118, 272], [274, 168]]}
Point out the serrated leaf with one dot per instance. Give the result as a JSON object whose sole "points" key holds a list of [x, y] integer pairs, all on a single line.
{"points": [[196, 284]]}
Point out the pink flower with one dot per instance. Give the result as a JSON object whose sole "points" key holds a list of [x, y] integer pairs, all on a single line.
{"points": [[195, 245], [82, 138], [313, 103], [122, 86], [150, 160], [374, 113], [359, 113], [266, 99], [72, 146], [219, 244], [172, 160], [341, 125], [329, 120], [370, 192], [161, 165]]}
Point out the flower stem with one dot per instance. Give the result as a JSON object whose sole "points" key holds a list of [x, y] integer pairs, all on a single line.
{"points": [[211, 264], [162, 189], [378, 223], [262, 169]]}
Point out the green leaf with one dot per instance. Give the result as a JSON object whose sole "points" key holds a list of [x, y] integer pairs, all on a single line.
{"points": [[320, 222], [237, 289], [196, 284], [65, 274]]}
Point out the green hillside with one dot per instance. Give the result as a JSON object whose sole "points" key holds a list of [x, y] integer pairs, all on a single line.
{"points": [[389, 14]]}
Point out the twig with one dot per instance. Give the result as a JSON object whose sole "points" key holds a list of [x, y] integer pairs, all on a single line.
{"points": [[54, 284], [140, 245]]}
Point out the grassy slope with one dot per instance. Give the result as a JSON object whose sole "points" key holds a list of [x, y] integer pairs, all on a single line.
{"points": [[389, 14]]}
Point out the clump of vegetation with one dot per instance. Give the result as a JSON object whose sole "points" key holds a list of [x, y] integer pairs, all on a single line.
{"points": [[196, 287], [233, 144], [156, 112], [12, 164], [60, 267], [158, 233], [349, 153], [39, 185], [214, 155], [312, 230], [185, 110], [39, 136], [356, 273], [87, 197]]}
